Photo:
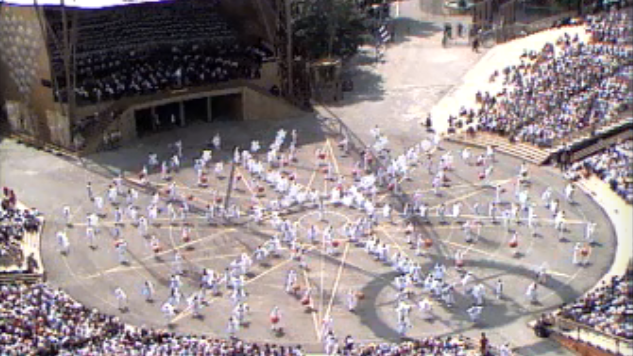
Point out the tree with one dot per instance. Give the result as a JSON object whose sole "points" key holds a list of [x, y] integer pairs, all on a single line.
{"points": [[329, 28]]}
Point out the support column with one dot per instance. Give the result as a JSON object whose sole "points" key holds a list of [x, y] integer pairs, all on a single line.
{"points": [[245, 111], [181, 106], [153, 118], [209, 109]]}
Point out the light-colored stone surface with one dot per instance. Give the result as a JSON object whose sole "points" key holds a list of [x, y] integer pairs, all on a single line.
{"points": [[621, 216], [416, 77], [258, 106], [395, 94], [414, 73]]}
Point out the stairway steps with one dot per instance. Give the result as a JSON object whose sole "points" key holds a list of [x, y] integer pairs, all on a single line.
{"points": [[520, 149], [95, 136], [529, 151]]}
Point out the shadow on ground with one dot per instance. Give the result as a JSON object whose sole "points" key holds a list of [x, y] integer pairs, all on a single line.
{"points": [[198, 135], [368, 85], [495, 318], [361, 70], [406, 28], [543, 347]]}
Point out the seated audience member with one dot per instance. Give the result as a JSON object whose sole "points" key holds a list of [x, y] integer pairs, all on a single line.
{"points": [[613, 165], [607, 308]]}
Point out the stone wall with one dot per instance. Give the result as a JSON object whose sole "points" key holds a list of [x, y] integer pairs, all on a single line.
{"points": [[24, 64], [262, 106]]}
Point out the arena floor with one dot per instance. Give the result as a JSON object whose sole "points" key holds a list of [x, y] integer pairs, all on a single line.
{"points": [[395, 93], [91, 275]]}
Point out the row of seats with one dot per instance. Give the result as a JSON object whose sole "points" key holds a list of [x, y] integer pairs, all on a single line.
{"points": [[148, 48], [135, 26], [566, 87], [606, 309], [614, 165], [138, 73], [38, 319]]}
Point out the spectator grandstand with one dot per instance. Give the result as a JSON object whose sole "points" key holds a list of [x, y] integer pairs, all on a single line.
{"points": [[593, 81], [613, 165], [606, 309], [115, 59], [15, 222], [39, 318], [146, 48], [610, 27]]}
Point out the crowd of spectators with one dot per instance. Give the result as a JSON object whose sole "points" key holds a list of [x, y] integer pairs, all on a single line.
{"points": [[148, 48], [37, 318], [610, 27], [614, 165], [608, 309], [14, 224], [565, 87], [113, 75]]}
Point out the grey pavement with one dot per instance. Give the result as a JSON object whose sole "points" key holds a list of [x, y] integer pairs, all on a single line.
{"points": [[395, 94], [413, 75], [90, 275]]}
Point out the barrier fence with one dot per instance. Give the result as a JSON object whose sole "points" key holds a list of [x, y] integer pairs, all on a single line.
{"points": [[584, 333]]}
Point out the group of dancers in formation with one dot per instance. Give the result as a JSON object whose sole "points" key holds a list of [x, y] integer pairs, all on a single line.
{"points": [[271, 182]]}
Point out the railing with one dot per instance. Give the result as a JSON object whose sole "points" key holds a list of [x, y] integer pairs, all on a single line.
{"points": [[589, 130], [520, 29], [570, 137], [581, 333], [508, 33], [27, 278], [601, 144], [591, 133]]}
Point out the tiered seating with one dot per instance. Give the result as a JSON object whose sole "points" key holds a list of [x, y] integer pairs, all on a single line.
{"points": [[112, 76], [131, 27], [564, 88], [146, 48], [614, 165], [611, 27], [15, 224], [606, 309], [604, 138], [39, 320]]}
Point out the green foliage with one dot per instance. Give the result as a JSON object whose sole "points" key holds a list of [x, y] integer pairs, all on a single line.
{"points": [[329, 28]]}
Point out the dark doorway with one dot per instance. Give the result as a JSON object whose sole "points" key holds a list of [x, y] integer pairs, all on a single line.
{"points": [[168, 116], [196, 110], [227, 107], [144, 123]]}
